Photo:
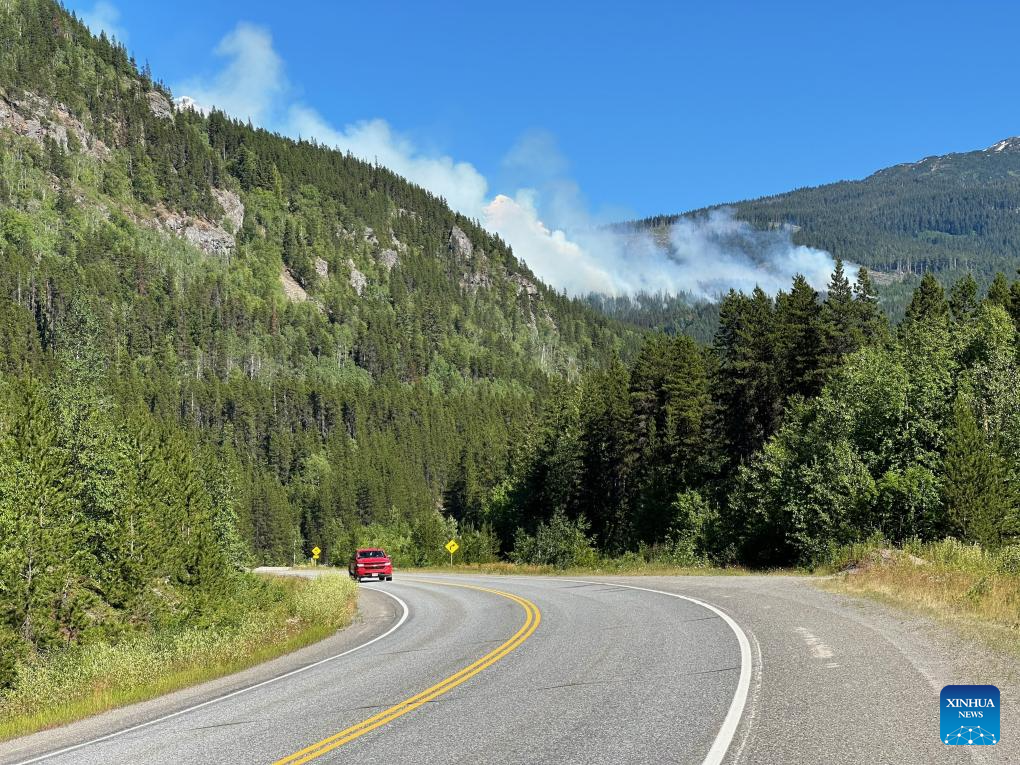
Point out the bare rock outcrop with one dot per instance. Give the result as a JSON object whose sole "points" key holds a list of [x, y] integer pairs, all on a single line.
{"points": [[294, 291], [358, 280], [210, 238], [37, 118], [460, 244], [233, 207], [388, 258], [474, 281], [523, 283], [322, 268], [159, 105]]}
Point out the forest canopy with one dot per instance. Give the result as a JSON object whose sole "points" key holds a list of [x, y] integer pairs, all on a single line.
{"points": [[221, 347]]}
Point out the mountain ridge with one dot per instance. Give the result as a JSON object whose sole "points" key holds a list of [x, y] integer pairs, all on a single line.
{"points": [[344, 350], [947, 214]]}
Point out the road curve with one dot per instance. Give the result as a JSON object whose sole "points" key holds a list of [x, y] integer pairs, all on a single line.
{"points": [[520, 669]]}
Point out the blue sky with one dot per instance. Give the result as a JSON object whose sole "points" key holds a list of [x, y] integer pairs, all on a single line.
{"points": [[599, 111]]}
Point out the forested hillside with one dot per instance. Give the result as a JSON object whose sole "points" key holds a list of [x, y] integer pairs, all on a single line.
{"points": [[949, 215], [809, 424], [673, 314], [219, 346]]}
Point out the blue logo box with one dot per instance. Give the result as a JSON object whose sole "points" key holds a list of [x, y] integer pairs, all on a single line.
{"points": [[970, 715]]}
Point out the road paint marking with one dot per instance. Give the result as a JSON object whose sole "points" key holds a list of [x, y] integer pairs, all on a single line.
{"points": [[532, 619], [728, 730], [755, 696], [818, 649], [232, 694], [732, 720]]}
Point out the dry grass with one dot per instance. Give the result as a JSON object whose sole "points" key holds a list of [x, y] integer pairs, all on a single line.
{"points": [[972, 589], [605, 568], [69, 685]]}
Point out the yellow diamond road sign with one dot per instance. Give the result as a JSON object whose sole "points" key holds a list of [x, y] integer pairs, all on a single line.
{"points": [[315, 552], [452, 546]]}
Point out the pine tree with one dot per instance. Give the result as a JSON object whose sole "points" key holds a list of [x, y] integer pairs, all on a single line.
{"points": [[963, 300], [842, 330], [746, 385], [976, 492], [928, 303], [44, 575], [799, 339], [870, 319], [998, 291]]}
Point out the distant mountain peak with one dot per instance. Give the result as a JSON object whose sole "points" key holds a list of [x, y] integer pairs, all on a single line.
{"points": [[1007, 144]]}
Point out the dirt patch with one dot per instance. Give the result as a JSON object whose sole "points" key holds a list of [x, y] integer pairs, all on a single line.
{"points": [[883, 557], [294, 291]]}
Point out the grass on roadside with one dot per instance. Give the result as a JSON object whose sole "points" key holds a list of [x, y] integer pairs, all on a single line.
{"points": [[615, 567], [68, 685], [976, 590]]}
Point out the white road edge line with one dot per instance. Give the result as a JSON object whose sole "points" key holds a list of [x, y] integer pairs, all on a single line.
{"points": [[732, 720], [730, 723], [238, 692]]}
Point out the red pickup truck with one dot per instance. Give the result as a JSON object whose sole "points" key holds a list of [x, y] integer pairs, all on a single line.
{"points": [[369, 562]]}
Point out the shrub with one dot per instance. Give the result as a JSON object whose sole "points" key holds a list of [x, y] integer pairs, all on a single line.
{"points": [[687, 540], [260, 621], [559, 542], [323, 599], [1009, 560], [12, 650], [951, 553]]}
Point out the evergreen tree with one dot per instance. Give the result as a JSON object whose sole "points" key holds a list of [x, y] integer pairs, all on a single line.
{"points": [[45, 572], [998, 291], [963, 300], [799, 339], [746, 387], [928, 303], [841, 321], [976, 493]]}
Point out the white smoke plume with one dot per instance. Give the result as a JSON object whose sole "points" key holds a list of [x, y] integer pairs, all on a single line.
{"points": [[104, 16], [543, 217]]}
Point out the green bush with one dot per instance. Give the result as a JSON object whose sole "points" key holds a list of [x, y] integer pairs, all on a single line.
{"points": [[952, 553], [559, 542], [1009, 560], [12, 651], [266, 612], [842, 557], [687, 541], [323, 599]]}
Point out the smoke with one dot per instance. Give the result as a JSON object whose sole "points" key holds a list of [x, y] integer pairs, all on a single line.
{"points": [[542, 213], [250, 85], [715, 253], [104, 16], [463, 187]]}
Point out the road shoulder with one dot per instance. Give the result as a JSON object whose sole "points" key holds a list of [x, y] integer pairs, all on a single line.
{"points": [[377, 613]]}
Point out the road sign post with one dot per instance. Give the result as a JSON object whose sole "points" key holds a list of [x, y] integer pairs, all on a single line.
{"points": [[452, 547], [315, 555]]}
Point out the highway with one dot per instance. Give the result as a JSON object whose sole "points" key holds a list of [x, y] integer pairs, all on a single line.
{"points": [[477, 669]]}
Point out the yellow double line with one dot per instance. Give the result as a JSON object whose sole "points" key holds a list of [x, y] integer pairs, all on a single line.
{"points": [[532, 618]]}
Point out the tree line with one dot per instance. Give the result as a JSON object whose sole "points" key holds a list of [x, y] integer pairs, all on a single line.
{"points": [[808, 424], [168, 415]]}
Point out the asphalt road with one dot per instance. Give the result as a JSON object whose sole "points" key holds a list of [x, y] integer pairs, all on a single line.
{"points": [[448, 669]]}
